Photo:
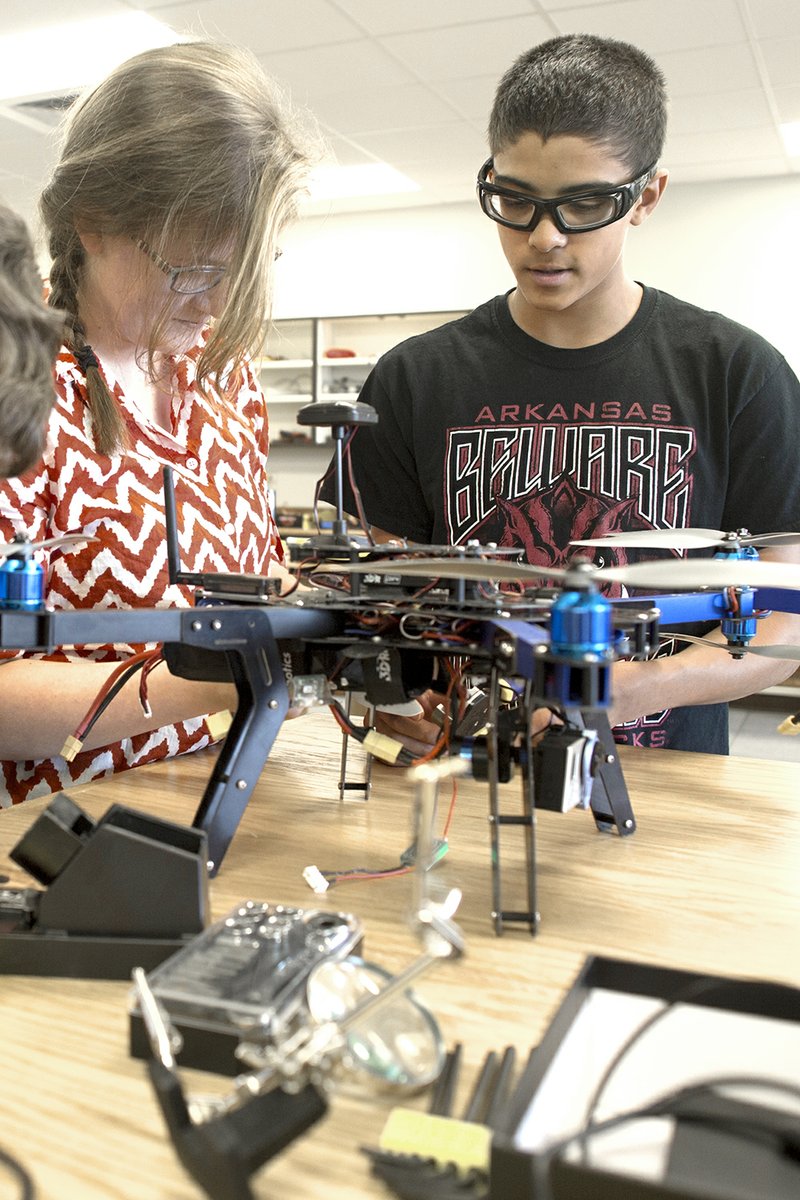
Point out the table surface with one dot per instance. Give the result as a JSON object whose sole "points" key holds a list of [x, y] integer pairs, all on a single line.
{"points": [[710, 881]]}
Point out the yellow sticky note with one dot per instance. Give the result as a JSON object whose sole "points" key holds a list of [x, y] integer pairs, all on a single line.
{"points": [[443, 1138]]}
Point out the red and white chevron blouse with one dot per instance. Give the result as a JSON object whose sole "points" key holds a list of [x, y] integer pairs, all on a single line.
{"points": [[217, 448]]}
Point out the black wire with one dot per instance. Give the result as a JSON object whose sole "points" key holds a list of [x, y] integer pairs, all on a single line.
{"points": [[697, 988], [112, 694], [664, 1105], [15, 1168]]}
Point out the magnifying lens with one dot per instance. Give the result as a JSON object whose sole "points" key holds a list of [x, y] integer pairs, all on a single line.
{"points": [[397, 1044]]}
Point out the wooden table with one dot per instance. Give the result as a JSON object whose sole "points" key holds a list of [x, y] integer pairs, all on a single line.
{"points": [[710, 881]]}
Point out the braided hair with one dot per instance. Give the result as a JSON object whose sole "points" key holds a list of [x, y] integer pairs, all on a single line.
{"points": [[67, 254]]}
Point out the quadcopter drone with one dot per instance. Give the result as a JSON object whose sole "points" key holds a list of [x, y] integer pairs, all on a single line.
{"points": [[496, 637]]}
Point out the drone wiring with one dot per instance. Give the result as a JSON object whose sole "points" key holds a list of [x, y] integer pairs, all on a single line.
{"points": [[145, 661], [321, 880], [362, 518]]}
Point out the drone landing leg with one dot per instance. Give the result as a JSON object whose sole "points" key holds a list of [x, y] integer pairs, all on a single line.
{"points": [[254, 661], [344, 784], [610, 802], [498, 770]]}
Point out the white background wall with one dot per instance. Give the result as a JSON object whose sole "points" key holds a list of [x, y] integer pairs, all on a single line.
{"points": [[732, 246]]}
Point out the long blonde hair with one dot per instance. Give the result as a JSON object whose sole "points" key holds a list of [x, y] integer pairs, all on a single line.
{"points": [[191, 140]]}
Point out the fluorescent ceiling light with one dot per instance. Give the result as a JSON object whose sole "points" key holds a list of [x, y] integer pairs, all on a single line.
{"points": [[363, 179], [71, 55], [790, 132]]}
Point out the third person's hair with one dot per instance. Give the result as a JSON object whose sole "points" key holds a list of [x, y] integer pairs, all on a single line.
{"points": [[30, 334]]}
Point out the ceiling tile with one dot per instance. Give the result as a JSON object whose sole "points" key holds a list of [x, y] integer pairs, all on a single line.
{"points": [[328, 70], [410, 107], [745, 109], [787, 101], [722, 146], [19, 15], [387, 16], [472, 97], [782, 59], [774, 18], [711, 69], [658, 27], [476, 49], [556, 6], [437, 143], [345, 152], [253, 23]]}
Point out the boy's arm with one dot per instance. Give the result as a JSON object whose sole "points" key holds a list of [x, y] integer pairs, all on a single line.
{"points": [[706, 676]]}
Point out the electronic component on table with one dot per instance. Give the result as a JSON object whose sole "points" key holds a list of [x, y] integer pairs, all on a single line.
{"points": [[243, 975]]}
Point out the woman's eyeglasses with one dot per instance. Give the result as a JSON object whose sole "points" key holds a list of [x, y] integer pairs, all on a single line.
{"points": [[186, 281]]}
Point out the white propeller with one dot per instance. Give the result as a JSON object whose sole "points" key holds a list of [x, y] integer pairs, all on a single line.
{"points": [[450, 568], [666, 575], [689, 539], [684, 574], [25, 547]]}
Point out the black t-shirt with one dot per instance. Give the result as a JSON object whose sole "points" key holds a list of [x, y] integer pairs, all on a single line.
{"points": [[683, 418]]}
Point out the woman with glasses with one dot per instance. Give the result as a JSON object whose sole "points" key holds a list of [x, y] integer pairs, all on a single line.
{"points": [[163, 214]]}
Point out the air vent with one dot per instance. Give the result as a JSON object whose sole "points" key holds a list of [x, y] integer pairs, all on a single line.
{"points": [[44, 113]]}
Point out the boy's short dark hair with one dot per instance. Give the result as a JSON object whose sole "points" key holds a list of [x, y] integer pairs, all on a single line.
{"points": [[30, 335], [606, 91]]}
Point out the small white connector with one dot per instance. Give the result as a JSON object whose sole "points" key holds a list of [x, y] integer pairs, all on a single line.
{"points": [[385, 748], [315, 879]]}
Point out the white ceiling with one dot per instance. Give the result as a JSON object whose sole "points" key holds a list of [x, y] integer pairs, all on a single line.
{"points": [[410, 82]]}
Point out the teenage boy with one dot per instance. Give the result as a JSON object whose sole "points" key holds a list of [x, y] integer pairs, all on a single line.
{"points": [[582, 402]]}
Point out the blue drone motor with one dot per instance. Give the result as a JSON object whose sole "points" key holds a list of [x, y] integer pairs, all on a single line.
{"points": [[21, 583], [580, 624], [741, 629]]}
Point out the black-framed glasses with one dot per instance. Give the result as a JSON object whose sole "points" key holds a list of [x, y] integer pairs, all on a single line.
{"points": [[186, 281], [576, 213]]}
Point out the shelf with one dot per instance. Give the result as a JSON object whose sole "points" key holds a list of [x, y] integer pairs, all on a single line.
{"points": [[285, 364], [296, 347], [349, 362], [295, 444]]}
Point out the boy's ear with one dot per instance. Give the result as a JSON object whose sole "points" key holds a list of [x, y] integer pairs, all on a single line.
{"points": [[650, 197]]}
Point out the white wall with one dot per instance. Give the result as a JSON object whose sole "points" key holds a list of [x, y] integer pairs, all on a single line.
{"points": [[732, 246]]}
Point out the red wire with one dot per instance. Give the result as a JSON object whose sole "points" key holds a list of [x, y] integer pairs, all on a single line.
{"points": [[80, 730]]}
